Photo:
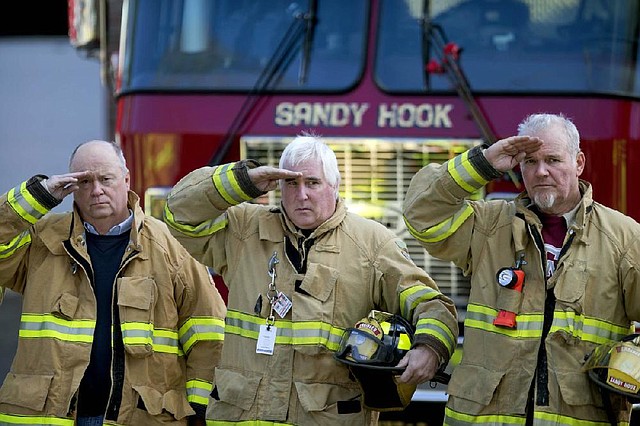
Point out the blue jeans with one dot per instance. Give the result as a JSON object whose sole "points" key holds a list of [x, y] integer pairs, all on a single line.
{"points": [[90, 421]]}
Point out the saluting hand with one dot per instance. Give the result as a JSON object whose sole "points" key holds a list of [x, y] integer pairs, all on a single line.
{"points": [[62, 185], [266, 178], [506, 153]]}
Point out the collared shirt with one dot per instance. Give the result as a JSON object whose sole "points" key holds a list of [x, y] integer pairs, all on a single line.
{"points": [[121, 228]]}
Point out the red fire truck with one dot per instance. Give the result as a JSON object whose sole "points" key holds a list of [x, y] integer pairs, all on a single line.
{"points": [[390, 84]]}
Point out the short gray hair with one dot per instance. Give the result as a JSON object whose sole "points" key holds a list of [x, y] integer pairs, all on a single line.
{"points": [[537, 122]]}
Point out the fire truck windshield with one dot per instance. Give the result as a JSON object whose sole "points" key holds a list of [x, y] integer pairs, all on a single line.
{"points": [[507, 46]]}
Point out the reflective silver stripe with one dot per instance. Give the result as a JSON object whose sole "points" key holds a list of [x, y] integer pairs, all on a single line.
{"points": [[438, 330], [287, 332], [199, 329], [198, 391], [481, 317], [49, 326], [208, 227], [413, 296], [224, 179], [443, 229], [589, 329], [465, 174], [25, 205], [8, 250], [140, 334]]}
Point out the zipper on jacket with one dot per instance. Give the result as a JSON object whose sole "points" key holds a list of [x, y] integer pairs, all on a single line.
{"points": [[117, 353], [542, 368]]}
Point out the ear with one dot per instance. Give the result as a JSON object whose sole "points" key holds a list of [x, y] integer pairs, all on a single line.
{"points": [[580, 161], [127, 180]]}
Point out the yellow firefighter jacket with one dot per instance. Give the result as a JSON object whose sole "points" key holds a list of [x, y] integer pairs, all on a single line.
{"points": [[592, 297], [353, 265], [171, 317]]}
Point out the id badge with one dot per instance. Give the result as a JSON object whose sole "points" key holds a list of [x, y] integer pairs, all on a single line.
{"points": [[282, 304], [266, 340]]}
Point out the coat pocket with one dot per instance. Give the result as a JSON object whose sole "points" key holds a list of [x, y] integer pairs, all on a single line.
{"points": [[321, 396], [26, 390], [236, 392], [474, 383], [173, 402], [136, 301]]}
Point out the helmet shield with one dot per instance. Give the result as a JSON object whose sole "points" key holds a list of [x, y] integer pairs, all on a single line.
{"points": [[372, 349], [615, 366]]}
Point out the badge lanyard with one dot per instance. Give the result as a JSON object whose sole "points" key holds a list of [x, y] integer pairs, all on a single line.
{"points": [[279, 303]]}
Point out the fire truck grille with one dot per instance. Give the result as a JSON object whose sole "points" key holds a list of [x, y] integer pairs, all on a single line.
{"points": [[375, 177]]}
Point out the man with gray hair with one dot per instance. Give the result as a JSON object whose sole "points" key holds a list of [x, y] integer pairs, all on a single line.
{"points": [[554, 274], [119, 325], [299, 275]]}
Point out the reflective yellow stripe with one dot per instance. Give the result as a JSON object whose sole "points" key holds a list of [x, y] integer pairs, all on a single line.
{"points": [[25, 205], [246, 423], [439, 330], [208, 227], [7, 250], [49, 326], [198, 329], [412, 296], [589, 329], [465, 174], [198, 391], [584, 328], [443, 229], [224, 179], [454, 418], [162, 340], [287, 332], [13, 419], [481, 317]]}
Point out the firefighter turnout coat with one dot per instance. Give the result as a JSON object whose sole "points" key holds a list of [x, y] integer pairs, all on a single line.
{"points": [[172, 328], [351, 265], [592, 297]]}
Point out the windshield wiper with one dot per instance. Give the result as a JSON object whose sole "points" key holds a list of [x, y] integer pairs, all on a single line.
{"points": [[271, 74]]}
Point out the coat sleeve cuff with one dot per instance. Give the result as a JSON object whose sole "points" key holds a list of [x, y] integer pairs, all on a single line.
{"points": [[241, 171], [36, 188], [482, 166]]}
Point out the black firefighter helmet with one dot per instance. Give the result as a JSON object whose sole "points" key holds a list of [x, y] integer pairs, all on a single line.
{"points": [[372, 349]]}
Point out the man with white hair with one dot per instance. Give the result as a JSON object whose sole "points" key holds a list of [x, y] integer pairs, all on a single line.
{"points": [[299, 275]]}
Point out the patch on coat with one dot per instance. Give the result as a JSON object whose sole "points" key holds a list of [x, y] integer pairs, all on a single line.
{"points": [[403, 249]]}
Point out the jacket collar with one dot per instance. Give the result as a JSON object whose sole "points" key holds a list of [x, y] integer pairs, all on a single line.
{"points": [[70, 224]]}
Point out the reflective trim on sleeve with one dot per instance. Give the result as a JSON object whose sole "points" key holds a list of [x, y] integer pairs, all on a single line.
{"points": [[25, 205], [142, 334], [413, 296], [224, 179], [52, 327], [465, 174], [439, 330], [7, 250], [300, 333], [208, 227], [198, 329], [198, 391], [442, 230]]}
